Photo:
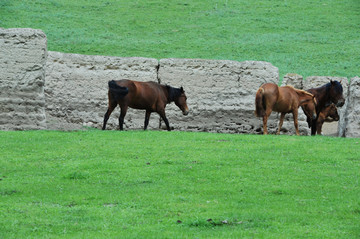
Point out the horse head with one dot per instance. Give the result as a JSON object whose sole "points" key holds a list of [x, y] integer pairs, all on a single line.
{"points": [[309, 108], [336, 93], [180, 101], [333, 113], [178, 96]]}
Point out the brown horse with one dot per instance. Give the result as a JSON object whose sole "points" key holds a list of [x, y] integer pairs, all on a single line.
{"points": [[149, 96], [285, 99], [331, 92], [328, 114]]}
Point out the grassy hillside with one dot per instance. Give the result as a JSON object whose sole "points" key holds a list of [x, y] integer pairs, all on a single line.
{"points": [[305, 37], [151, 184]]}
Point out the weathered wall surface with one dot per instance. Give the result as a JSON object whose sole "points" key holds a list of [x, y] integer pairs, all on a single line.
{"points": [[22, 76], [76, 88], [221, 94], [351, 121], [294, 80]]}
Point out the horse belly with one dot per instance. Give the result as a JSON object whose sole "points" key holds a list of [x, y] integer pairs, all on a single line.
{"points": [[140, 104], [282, 108]]}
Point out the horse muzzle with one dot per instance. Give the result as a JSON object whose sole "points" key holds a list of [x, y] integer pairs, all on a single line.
{"points": [[314, 116], [340, 103], [185, 112]]}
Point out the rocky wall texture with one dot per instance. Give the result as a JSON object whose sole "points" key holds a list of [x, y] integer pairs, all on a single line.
{"points": [[221, 94], [294, 80], [22, 75], [350, 126]]}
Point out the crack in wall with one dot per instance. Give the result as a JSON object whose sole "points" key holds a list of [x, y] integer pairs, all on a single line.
{"points": [[157, 72]]}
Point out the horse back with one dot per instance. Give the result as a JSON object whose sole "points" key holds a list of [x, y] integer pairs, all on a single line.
{"points": [[287, 99], [276, 97], [142, 95]]}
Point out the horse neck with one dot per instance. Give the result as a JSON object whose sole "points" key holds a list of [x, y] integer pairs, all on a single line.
{"points": [[321, 94], [303, 96], [327, 111], [167, 94]]}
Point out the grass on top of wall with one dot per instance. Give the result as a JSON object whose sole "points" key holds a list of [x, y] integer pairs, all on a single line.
{"points": [[304, 37], [158, 184]]}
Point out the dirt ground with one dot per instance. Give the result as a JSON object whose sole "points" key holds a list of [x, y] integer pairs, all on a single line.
{"points": [[328, 129]]}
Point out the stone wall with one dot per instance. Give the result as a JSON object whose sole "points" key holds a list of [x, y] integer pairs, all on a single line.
{"points": [[22, 76], [221, 94], [350, 126]]}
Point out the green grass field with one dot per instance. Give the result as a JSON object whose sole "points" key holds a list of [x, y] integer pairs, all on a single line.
{"points": [[157, 184], [304, 37]]}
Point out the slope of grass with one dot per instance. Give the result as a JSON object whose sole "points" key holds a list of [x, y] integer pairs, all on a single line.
{"points": [[152, 184], [305, 37]]}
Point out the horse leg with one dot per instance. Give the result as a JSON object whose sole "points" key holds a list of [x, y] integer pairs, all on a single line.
{"points": [[147, 117], [282, 116], [296, 124], [163, 117], [111, 107], [313, 127], [319, 123], [122, 116], [265, 119]]}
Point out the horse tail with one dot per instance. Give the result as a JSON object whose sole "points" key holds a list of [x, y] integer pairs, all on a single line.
{"points": [[117, 91], [259, 103]]}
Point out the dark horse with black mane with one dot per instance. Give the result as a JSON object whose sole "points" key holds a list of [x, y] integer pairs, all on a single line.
{"points": [[149, 96], [331, 92]]}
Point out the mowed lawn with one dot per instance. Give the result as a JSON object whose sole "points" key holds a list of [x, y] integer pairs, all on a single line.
{"points": [[158, 184], [304, 37]]}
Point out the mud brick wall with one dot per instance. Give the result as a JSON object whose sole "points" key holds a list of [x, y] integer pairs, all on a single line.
{"points": [[22, 77]]}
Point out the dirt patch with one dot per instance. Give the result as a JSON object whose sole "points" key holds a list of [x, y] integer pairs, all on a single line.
{"points": [[330, 129]]}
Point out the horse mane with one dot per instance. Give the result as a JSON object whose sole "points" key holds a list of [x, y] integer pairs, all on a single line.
{"points": [[337, 85], [300, 91], [327, 86], [173, 93]]}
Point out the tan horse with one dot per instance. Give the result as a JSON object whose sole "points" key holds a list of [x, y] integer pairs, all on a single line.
{"points": [[285, 99]]}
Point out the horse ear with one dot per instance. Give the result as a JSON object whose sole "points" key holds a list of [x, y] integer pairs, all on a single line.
{"points": [[182, 89]]}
